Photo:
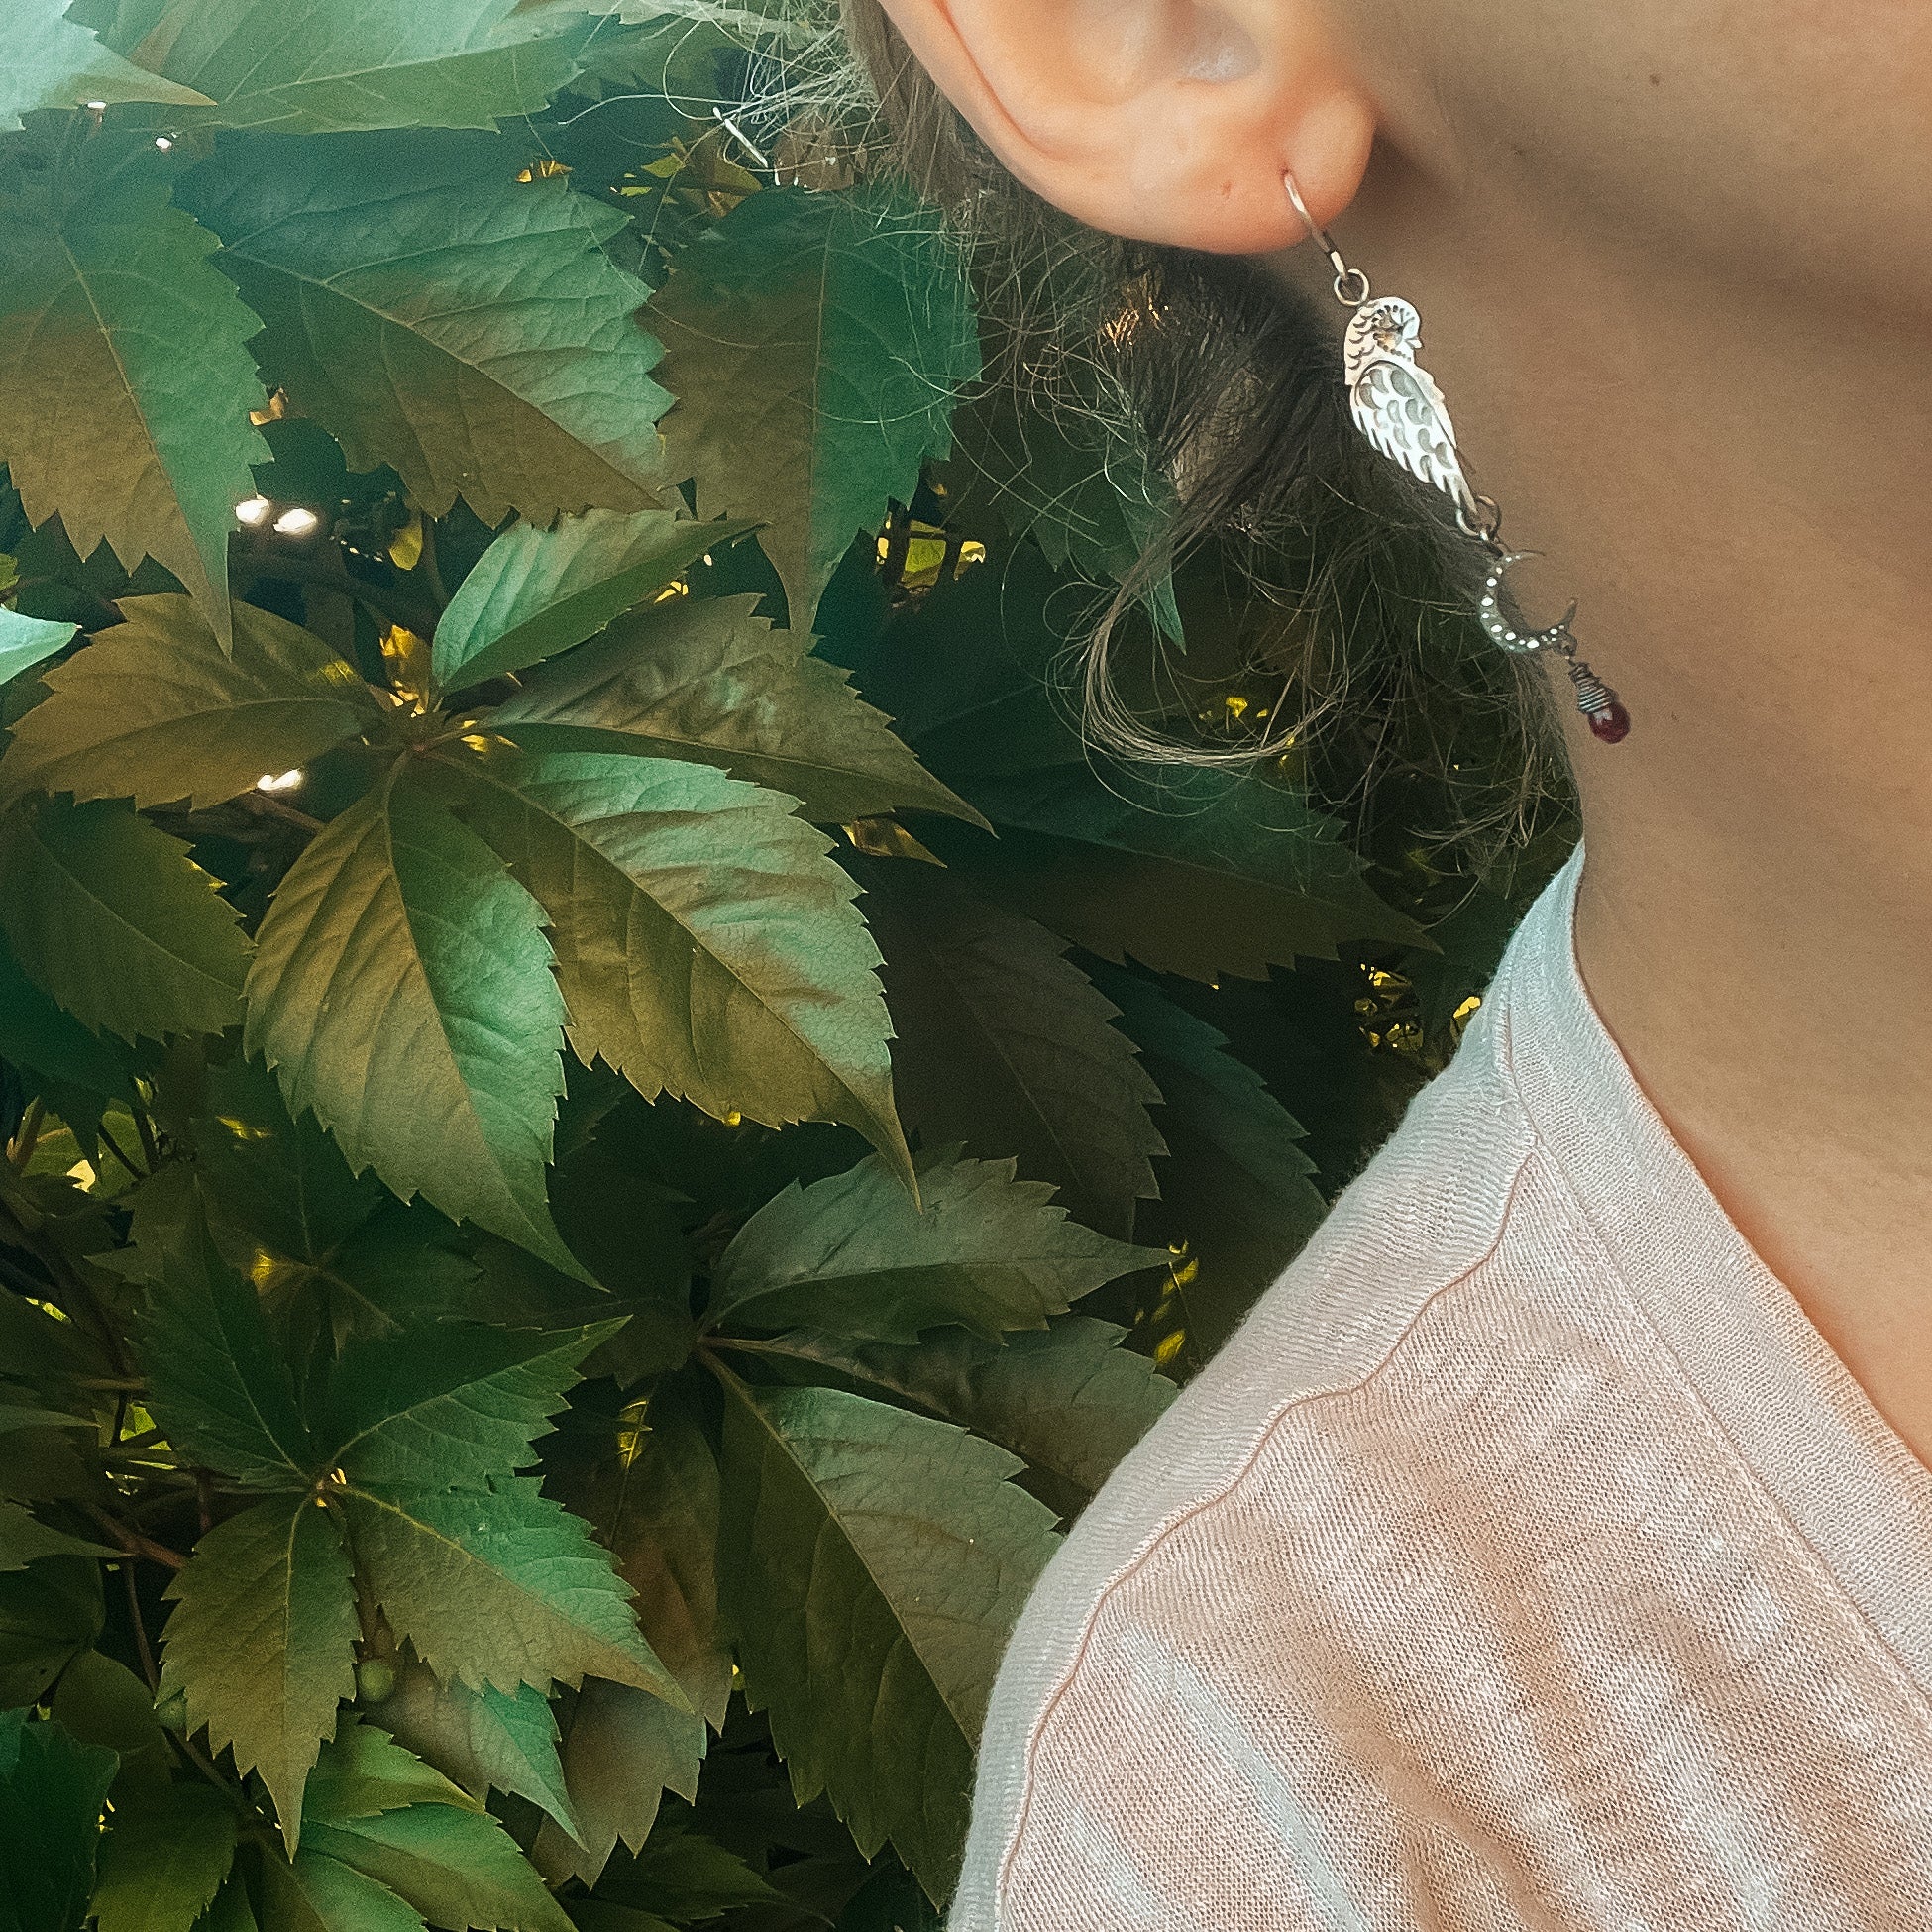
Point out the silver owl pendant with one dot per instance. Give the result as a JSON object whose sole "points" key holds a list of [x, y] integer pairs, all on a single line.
{"points": [[1395, 401]]}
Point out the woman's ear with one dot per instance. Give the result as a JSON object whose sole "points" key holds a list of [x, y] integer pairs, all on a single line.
{"points": [[1161, 119]]}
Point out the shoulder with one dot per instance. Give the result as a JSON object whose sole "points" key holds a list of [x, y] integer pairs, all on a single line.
{"points": [[1198, 1523], [1244, 1539]]}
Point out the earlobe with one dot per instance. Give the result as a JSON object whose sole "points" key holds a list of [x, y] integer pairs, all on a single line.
{"points": [[1169, 120]]}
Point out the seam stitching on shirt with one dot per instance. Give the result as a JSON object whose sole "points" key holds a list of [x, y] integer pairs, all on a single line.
{"points": [[1168, 1529], [1721, 1438]]}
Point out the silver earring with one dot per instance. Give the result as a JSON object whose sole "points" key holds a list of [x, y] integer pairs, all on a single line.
{"points": [[1396, 404]]}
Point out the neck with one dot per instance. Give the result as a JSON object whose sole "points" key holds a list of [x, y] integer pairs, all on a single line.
{"points": [[1731, 480]]}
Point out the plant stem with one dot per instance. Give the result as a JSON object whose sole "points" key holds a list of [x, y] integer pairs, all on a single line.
{"points": [[134, 1543], [265, 807], [149, 1148], [114, 1147], [139, 1623], [432, 575]]}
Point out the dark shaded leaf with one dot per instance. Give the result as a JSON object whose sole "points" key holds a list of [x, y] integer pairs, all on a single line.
{"points": [[217, 1383], [853, 1255], [1238, 1197], [816, 345], [164, 1860], [49, 1613], [52, 1789], [1005, 1047], [116, 921], [655, 1503], [1069, 1401]]}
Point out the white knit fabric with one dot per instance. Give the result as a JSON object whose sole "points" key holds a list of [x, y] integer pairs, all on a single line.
{"points": [[1527, 1560]]}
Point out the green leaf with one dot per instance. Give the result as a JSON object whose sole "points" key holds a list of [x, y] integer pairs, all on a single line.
{"points": [[103, 1702], [51, 1796], [1068, 1400], [434, 314], [706, 679], [115, 920], [164, 1860], [1236, 1189], [690, 1879], [25, 1539], [874, 1565], [49, 1613], [231, 1911], [217, 1383], [1192, 870], [313, 69], [816, 345], [622, 1750], [361, 1771], [853, 1255], [279, 1176], [455, 1867], [454, 1405], [535, 591], [38, 1034], [657, 1509], [125, 389], [319, 1894], [54, 63], [499, 1588], [401, 989], [486, 1740], [705, 944], [1006, 1045], [156, 710], [28, 641], [262, 1639]]}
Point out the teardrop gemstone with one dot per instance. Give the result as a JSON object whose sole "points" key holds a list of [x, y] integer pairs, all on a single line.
{"points": [[1612, 725]]}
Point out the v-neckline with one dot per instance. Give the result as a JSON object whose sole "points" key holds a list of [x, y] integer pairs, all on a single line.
{"points": [[1846, 1480]]}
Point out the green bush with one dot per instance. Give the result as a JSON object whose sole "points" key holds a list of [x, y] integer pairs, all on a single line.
{"points": [[537, 1367]]}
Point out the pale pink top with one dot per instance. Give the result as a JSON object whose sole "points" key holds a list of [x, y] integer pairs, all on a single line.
{"points": [[1527, 1559]]}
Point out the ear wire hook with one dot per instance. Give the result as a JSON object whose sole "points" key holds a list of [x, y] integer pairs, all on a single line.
{"points": [[1350, 285]]}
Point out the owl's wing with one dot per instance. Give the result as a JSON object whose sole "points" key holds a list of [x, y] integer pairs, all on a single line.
{"points": [[1399, 408]]}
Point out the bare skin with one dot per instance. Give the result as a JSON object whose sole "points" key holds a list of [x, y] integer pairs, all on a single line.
{"points": [[1674, 265]]}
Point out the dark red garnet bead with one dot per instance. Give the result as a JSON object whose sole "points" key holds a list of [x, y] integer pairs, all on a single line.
{"points": [[1611, 725]]}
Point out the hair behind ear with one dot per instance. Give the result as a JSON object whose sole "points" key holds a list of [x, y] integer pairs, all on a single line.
{"points": [[1228, 379]]}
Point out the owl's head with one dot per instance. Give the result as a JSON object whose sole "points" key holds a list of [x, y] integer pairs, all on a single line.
{"points": [[1388, 326]]}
